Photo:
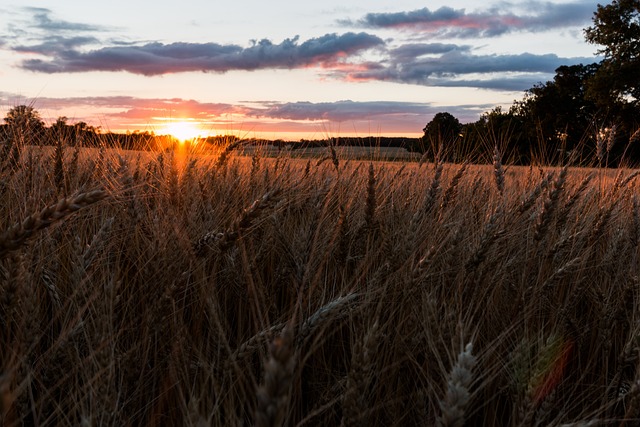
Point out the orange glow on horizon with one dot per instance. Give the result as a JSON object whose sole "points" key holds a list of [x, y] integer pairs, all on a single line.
{"points": [[183, 130]]}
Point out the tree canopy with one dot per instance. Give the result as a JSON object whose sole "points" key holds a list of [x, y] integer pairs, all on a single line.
{"points": [[616, 27], [441, 132]]}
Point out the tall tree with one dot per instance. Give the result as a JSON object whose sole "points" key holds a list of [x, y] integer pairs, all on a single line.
{"points": [[615, 88], [616, 27], [558, 112]]}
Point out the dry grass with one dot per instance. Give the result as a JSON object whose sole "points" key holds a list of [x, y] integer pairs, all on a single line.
{"points": [[178, 289]]}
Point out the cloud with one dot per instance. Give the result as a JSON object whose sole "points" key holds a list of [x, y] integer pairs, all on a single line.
{"points": [[349, 111], [42, 20], [491, 22], [158, 58], [54, 44], [339, 110], [506, 72]]}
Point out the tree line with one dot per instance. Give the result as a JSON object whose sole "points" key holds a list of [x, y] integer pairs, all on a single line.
{"points": [[24, 123], [588, 111]]}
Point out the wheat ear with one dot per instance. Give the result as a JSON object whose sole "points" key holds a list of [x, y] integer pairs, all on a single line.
{"points": [[15, 236], [489, 235], [434, 188], [356, 398], [458, 390], [224, 155], [337, 308], [550, 206], [623, 183], [224, 240], [452, 190], [534, 194], [273, 395], [563, 215]]}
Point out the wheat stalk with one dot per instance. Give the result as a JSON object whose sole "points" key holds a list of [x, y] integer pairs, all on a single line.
{"points": [[370, 208], [58, 166], [611, 138], [498, 170], [334, 156]]}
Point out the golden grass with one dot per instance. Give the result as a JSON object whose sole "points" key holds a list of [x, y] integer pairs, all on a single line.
{"points": [[181, 289]]}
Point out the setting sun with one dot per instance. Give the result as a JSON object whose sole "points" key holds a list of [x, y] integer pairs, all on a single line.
{"points": [[183, 130]]}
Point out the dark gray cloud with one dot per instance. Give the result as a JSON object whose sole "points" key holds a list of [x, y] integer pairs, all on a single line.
{"points": [[75, 47], [490, 22], [158, 58], [454, 67], [411, 51]]}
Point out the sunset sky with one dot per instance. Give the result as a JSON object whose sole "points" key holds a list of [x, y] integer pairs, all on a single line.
{"points": [[282, 69]]}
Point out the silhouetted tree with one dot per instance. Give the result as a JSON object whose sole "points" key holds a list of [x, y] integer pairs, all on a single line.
{"points": [[24, 123], [557, 115], [441, 135]]}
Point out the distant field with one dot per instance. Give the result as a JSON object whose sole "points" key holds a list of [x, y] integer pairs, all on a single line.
{"points": [[347, 152], [249, 288]]}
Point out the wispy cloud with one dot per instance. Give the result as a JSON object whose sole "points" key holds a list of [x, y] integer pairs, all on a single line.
{"points": [[42, 19], [490, 22], [129, 107], [338, 111]]}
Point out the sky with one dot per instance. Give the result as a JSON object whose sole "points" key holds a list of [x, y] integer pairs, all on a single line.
{"points": [[282, 69]]}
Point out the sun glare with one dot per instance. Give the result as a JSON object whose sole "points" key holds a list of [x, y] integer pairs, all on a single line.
{"points": [[183, 131]]}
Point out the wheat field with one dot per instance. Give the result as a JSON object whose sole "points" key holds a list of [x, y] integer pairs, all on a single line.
{"points": [[180, 289]]}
